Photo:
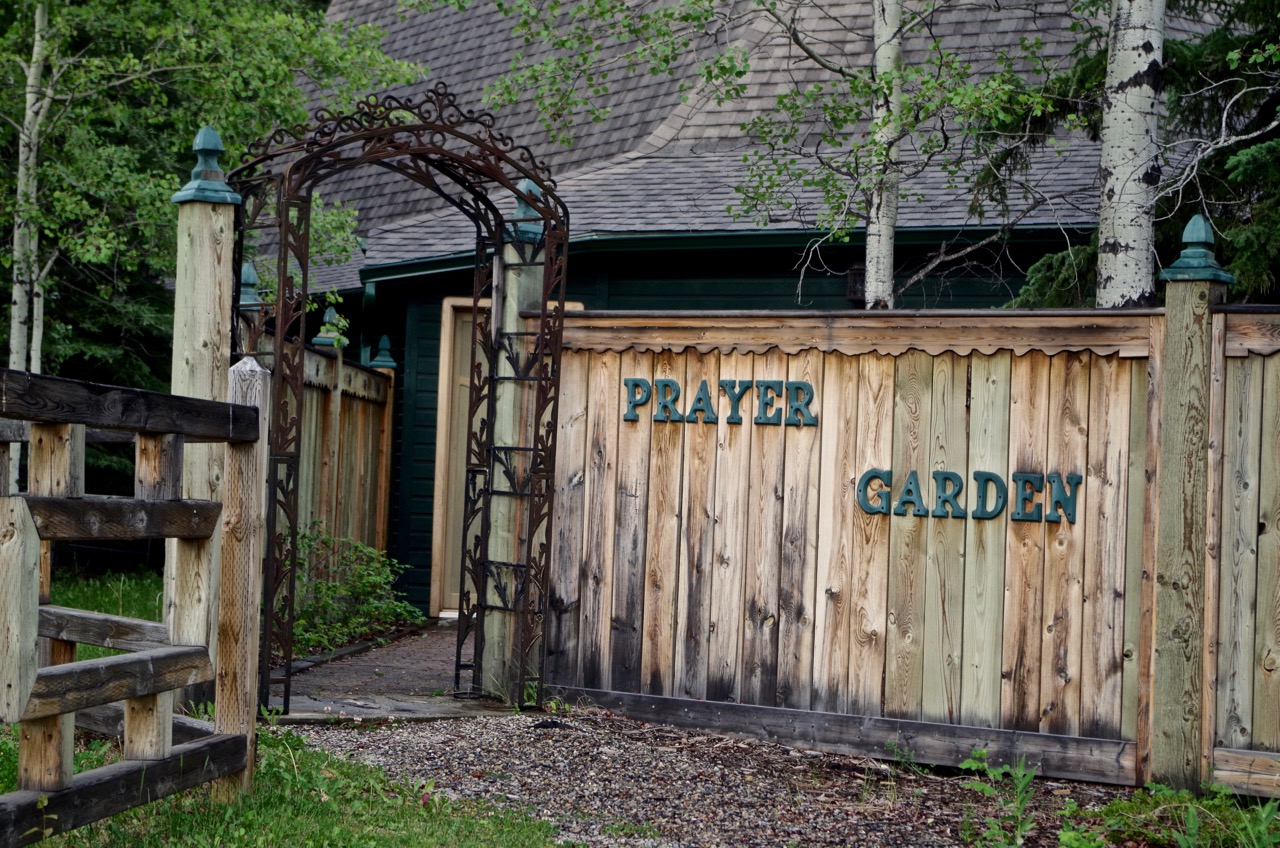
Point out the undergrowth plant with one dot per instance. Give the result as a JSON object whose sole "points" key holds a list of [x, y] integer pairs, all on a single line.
{"points": [[346, 592], [1162, 816], [1012, 788]]}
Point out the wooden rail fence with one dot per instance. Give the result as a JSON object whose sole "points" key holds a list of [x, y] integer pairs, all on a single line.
{"points": [[42, 687], [936, 531]]}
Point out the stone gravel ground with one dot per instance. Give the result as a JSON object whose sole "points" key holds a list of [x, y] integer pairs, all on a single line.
{"points": [[607, 780]]}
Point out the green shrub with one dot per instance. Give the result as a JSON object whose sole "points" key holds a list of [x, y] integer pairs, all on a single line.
{"points": [[345, 592]]}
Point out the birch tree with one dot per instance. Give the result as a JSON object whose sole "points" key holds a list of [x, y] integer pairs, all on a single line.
{"points": [[107, 96], [1129, 166]]}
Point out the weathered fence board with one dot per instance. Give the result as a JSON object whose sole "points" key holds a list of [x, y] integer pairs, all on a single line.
{"points": [[694, 566], [629, 540]]}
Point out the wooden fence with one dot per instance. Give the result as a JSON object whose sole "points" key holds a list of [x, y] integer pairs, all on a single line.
{"points": [[344, 479], [931, 531], [43, 688]]}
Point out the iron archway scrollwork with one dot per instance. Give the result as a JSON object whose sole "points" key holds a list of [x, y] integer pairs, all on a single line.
{"points": [[458, 156]]}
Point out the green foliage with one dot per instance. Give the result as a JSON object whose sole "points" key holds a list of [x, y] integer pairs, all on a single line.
{"points": [[129, 84], [1012, 788], [1159, 815], [345, 592], [134, 595], [1068, 279], [309, 799]]}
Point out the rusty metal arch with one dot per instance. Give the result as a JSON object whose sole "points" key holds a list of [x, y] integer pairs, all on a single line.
{"points": [[460, 157]]}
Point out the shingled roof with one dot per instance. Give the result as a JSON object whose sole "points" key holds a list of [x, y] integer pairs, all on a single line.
{"points": [[658, 164]]}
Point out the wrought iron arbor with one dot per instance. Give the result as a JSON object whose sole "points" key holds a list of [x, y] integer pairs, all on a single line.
{"points": [[520, 255]]}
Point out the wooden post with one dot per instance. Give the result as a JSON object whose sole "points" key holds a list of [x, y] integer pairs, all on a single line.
{"points": [[243, 515], [385, 365], [56, 470], [521, 289], [201, 357], [1195, 282]]}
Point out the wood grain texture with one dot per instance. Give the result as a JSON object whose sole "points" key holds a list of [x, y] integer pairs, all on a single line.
{"points": [[19, 606], [838, 472], [596, 591], [731, 555], [1266, 674], [96, 628], [985, 539], [108, 720], [662, 554], [46, 750], [892, 333], [1247, 772], [912, 419], [100, 517], [1256, 332], [563, 620], [57, 400], [240, 593], [1136, 528], [157, 474], [1074, 758], [697, 543], [870, 566], [629, 541], [112, 789], [948, 450], [1180, 639], [1143, 729], [764, 541], [1024, 553], [148, 727], [1062, 608], [90, 683], [797, 577], [1104, 518], [1213, 543]]}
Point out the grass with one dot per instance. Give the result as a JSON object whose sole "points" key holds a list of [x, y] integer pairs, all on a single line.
{"points": [[303, 798], [135, 595]]}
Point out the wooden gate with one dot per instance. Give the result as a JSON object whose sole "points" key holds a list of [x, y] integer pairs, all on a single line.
{"points": [[42, 687]]}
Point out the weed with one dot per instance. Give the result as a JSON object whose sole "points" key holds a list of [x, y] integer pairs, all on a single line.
{"points": [[642, 830], [1015, 822], [903, 757], [345, 592], [1159, 815]]}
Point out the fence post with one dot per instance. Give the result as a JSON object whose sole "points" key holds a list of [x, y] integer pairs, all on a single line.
{"points": [[201, 358], [243, 516], [385, 365], [1194, 283]]}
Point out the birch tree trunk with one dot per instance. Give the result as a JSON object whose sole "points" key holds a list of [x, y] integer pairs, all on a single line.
{"points": [[1129, 168], [26, 229], [882, 211]]}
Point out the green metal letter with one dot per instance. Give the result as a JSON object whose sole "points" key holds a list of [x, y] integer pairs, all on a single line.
{"points": [[1025, 486], [881, 506], [701, 404], [911, 494], [981, 510], [1060, 497], [799, 396], [734, 392], [947, 495], [668, 394], [769, 391], [638, 394]]}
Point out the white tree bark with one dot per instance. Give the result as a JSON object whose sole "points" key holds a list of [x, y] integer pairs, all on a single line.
{"points": [[1129, 167], [26, 230], [882, 211]]}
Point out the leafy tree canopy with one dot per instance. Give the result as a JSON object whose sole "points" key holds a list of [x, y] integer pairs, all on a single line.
{"points": [[124, 85]]}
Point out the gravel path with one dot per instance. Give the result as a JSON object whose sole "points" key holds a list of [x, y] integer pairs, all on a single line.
{"points": [[607, 780]]}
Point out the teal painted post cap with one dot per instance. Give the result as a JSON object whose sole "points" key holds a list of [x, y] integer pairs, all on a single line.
{"points": [[527, 230], [207, 184], [249, 297], [383, 358], [327, 338], [1197, 262]]}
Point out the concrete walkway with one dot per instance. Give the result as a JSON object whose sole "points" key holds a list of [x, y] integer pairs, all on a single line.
{"points": [[410, 679]]}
